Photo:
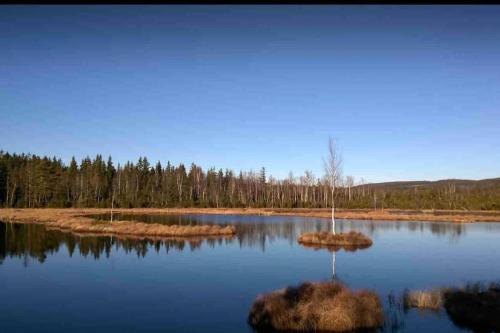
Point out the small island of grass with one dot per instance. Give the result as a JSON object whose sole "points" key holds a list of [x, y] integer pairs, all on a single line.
{"points": [[321, 306], [352, 239]]}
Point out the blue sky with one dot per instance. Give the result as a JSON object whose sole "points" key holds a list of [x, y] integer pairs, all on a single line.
{"points": [[409, 92]]}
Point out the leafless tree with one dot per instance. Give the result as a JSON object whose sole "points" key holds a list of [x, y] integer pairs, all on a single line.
{"points": [[333, 172], [349, 182], [308, 180]]}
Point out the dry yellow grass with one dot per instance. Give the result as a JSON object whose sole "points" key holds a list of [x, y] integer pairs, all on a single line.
{"points": [[424, 299], [323, 306], [395, 214], [73, 221], [352, 239]]}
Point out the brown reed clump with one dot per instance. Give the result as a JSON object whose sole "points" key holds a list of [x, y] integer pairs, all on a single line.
{"points": [[322, 306], [328, 239], [424, 299]]}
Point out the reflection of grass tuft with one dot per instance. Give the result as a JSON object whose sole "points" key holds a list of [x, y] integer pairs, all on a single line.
{"points": [[336, 248], [323, 306]]}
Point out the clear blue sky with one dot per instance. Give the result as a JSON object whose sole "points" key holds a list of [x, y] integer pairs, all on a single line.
{"points": [[409, 92]]}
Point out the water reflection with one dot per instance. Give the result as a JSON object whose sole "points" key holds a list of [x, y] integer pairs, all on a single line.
{"points": [[36, 242], [333, 249], [336, 248], [260, 230], [394, 317], [24, 240], [475, 307], [219, 278]]}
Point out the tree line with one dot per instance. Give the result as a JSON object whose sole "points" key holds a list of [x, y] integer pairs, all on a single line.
{"points": [[31, 181]]}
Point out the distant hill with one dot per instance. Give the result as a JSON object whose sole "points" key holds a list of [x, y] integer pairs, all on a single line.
{"points": [[462, 184]]}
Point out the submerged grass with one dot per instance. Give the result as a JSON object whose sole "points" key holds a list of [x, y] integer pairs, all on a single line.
{"points": [[321, 306], [352, 239]]}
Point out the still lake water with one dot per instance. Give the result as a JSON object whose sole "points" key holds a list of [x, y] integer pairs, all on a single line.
{"points": [[58, 282]]}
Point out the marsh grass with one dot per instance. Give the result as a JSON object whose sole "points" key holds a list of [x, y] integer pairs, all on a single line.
{"points": [[424, 299], [321, 306]]}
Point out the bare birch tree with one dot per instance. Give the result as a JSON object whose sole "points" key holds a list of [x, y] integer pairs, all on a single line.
{"points": [[349, 182], [333, 172]]}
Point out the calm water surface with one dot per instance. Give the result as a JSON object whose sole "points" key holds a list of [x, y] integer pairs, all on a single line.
{"points": [[58, 282]]}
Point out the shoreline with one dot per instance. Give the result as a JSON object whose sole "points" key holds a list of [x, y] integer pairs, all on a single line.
{"points": [[79, 220]]}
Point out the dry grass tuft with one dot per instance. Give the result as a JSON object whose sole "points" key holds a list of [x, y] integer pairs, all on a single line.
{"points": [[323, 306], [350, 241], [424, 299]]}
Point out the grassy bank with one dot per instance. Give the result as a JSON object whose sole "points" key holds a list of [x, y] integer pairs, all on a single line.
{"points": [[80, 220], [76, 221], [459, 216]]}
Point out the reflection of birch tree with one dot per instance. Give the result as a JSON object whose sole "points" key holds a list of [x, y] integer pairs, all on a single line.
{"points": [[333, 265]]}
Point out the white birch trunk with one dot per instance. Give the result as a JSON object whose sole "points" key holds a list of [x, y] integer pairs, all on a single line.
{"points": [[333, 211], [333, 220]]}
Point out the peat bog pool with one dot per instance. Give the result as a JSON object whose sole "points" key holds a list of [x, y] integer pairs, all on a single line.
{"points": [[55, 281]]}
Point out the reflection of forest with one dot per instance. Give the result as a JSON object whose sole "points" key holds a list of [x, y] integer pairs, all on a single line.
{"points": [[257, 230], [34, 241], [251, 234], [28, 240]]}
